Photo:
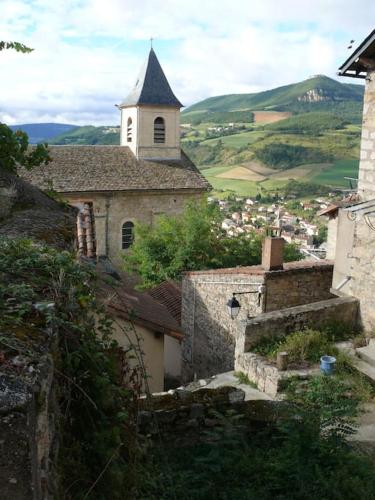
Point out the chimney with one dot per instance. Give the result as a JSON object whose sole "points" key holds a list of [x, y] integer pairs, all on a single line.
{"points": [[273, 253]]}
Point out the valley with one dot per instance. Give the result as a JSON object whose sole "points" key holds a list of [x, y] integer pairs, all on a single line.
{"points": [[247, 144]]}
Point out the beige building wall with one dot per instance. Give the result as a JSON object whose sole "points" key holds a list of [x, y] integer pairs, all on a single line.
{"points": [[143, 145], [366, 184], [152, 346], [113, 209], [172, 357], [131, 113], [332, 238]]}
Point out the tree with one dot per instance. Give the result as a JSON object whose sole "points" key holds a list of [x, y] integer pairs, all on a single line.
{"points": [[19, 47], [191, 241], [14, 146]]}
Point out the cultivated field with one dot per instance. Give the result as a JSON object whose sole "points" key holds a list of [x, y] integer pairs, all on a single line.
{"points": [[270, 116], [241, 173]]}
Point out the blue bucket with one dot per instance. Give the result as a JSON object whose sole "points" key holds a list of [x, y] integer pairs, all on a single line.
{"points": [[327, 364]]}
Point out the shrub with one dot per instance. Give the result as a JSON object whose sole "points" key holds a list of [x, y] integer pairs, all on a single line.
{"points": [[307, 345]]}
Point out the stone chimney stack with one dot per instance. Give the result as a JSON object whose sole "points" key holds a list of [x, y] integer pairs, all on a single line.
{"points": [[273, 253]]}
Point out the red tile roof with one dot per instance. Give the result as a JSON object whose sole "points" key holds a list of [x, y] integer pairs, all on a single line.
{"points": [[140, 307], [168, 294]]}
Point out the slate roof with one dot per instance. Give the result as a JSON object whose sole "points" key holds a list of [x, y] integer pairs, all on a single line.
{"points": [[112, 168], [34, 215], [151, 87]]}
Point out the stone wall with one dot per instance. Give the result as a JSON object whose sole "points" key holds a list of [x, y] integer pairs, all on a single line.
{"points": [[209, 331], [184, 417], [113, 209], [366, 184], [208, 345], [281, 322], [28, 433], [362, 270], [298, 284]]}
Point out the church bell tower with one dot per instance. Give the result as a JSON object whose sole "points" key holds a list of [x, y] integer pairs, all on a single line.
{"points": [[150, 115]]}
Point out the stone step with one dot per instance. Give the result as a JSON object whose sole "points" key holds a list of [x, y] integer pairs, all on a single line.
{"points": [[365, 368], [367, 354], [362, 366]]}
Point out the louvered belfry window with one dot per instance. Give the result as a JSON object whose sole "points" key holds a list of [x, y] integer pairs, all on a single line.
{"points": [[159, 130], [129, 130]]}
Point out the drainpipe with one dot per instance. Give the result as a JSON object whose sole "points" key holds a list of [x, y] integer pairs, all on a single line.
{"points": [[107, 206]]}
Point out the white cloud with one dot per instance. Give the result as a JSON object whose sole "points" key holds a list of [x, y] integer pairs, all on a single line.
{"points": [[84, 60]]}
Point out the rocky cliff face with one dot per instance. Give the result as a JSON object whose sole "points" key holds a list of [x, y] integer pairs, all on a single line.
{"points": [[316, 95]]}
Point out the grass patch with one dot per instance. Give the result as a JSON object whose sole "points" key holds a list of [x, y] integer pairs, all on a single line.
{"points": [[334, 176], [244, 379]]}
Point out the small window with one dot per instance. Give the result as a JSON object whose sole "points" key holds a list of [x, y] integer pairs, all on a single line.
{"points": [[127, 234], [129, 130], [159, 130]]}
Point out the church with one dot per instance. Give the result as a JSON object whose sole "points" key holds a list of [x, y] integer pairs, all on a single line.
{"points": [[145, 176]]}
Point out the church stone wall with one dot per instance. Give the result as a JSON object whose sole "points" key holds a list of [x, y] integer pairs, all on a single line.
{"points": [[142, 144], [113, 209]]}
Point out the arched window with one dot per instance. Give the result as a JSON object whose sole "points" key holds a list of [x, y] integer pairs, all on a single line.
{"points": [[129, 130], [127, 234], [159, 130]]}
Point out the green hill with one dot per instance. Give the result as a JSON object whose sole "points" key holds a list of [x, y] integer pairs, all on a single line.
{"points": [[318, 93], [89, 135], [43, 132]]}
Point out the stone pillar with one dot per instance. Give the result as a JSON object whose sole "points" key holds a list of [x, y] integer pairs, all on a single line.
{"points": [[366, 183], [273, 254]]}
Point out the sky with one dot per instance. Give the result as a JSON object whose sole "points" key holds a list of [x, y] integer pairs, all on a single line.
{"points": [[87, 53]]}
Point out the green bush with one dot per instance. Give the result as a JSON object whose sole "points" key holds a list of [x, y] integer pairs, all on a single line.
{"points": [[307, 345], [308, 123]]}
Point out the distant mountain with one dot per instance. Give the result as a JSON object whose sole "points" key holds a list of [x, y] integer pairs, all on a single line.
{"points": [[89, 135], [318, 93], [42, 132]]}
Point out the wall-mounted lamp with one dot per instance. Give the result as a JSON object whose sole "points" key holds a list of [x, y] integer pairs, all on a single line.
{"points": [[234, 306]]}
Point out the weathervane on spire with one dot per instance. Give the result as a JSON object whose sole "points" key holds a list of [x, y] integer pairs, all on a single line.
{"points": [[151, 40]]}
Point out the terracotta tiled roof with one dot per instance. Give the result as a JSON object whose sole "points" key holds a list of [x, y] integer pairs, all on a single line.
{"points": [[112, 168], [168, 294], [127, 303]]}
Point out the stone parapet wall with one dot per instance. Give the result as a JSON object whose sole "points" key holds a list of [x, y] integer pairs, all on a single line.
{"points": [[298, 285], [280, 323], [265, 375], [184, 417]]}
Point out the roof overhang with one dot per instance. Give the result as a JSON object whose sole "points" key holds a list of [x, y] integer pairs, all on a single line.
{"points": [[361, 61]]}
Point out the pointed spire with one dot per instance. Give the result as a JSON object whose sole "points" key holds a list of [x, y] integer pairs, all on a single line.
{"points": [[152, 86]]}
